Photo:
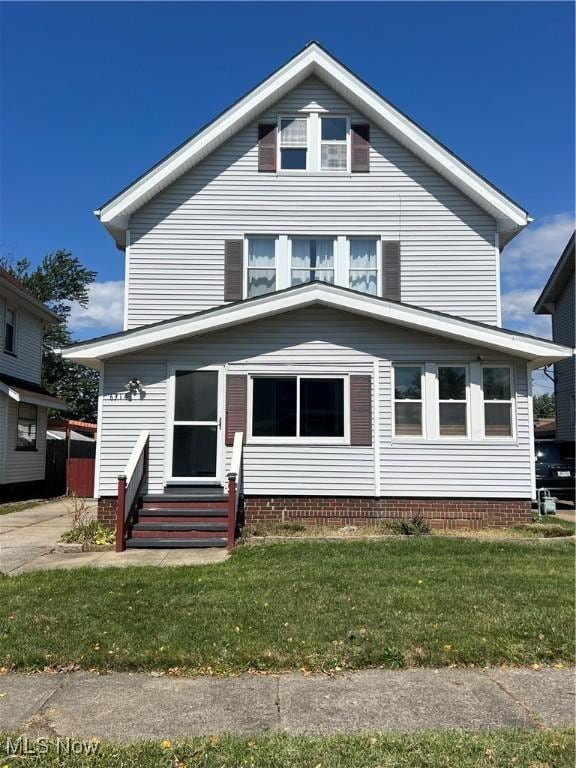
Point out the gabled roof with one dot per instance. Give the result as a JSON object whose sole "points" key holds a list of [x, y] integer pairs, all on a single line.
{"points": [[18, 289], [94, 351], [313, 60], [557, 280]]}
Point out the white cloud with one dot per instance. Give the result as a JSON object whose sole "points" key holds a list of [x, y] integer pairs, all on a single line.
{"points": [[105, 310], [531, 256], [517, 312]]}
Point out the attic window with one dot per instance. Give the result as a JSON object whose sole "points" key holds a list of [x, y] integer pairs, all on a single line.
{"points": [[293, 143], [334, 144]]}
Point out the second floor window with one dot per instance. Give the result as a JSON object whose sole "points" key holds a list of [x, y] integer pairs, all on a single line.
{"points": [[10, 331], [363, 269], [334, 144], [261, 268], [293, 143], [312, 260]]}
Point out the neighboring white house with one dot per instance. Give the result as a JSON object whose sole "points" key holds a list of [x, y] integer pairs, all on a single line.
{"points": [[24, 402], [315, 271], [558, 299]]}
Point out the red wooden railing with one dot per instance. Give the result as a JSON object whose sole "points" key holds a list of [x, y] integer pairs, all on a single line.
{"points": [[129, 487], [234, 486]]}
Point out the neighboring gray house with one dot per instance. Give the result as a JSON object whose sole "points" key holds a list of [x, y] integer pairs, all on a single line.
{"points": [[313, 274], [558, 299], [23, 402]]}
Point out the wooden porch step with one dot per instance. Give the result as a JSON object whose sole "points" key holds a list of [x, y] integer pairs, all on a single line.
{"points": [[171, 543], [180, 512], [169, 526], [218, 501]]}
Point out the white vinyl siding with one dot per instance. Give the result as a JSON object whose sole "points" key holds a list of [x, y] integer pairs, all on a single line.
{"points": [[3, 432], [27, 362], [24, 466], [322, 341], [176, 259]]}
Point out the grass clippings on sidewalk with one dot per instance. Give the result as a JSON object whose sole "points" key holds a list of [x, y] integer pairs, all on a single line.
{"points": [[449, 749], [19, 506], [311, 606]]}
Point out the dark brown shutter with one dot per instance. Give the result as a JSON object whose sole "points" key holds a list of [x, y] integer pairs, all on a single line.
{"points": [[360, 410], [360, 148], [233, 262], [266, 147], [391, 270], [236, 402]]}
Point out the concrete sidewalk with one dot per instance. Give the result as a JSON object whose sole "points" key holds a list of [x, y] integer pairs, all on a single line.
{"points": [[28, 539], [129, 707], [33, 532]]}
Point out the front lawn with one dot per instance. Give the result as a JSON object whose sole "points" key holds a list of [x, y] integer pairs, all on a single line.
{"points": [[310, 606], [450, 749]]}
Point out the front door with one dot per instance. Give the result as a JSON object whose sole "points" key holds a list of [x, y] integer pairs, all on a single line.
{"points": [[196, 425]]}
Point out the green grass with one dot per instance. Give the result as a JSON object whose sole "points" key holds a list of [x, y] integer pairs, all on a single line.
{"points": [[19, 506], [450, 749], [317, 606]]}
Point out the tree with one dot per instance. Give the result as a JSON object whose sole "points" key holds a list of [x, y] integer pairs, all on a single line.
{"points": [[544, 406], [58, 281]]}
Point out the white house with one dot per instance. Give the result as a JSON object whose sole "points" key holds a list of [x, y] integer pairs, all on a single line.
{"points": [[24, 402], [558, 298], [316, 275]]}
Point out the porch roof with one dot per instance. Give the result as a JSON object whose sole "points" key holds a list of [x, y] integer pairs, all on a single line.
{"points": [[539, 351]]}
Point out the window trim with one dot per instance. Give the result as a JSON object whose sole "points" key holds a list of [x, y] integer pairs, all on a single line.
{"points": [[297, 116], [333, 238], [169, 478], [423, 405], [512, 402], [437, 402], [10, 308], [349, 269], [25, 448], [297, 439], [347, 142], [245, 267]]}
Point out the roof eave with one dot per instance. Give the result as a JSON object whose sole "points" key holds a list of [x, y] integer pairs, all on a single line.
{"points": [[530, 348], [546, 300]]}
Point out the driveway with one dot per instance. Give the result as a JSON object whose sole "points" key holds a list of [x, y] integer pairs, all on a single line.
{"points": [[31, 533]]}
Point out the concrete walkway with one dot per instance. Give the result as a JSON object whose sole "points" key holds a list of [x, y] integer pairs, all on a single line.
{"points": [[30, 533], [28, 539], [125, 707]]}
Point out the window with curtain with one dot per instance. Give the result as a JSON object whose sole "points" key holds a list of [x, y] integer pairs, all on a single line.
{"points": [[261, 267], [334, 143], [363, 265], [408, 400], [293, 143], [452, 400], [497, 392], [27, 427], [312, 260]]}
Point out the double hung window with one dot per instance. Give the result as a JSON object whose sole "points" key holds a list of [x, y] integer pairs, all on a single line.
{"points": [[312, 260]]}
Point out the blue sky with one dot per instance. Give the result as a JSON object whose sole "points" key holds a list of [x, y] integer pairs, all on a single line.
{"points": [[95, 93]]}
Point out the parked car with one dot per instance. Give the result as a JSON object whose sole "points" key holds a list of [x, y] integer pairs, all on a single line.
{"points": [[555, 468]]}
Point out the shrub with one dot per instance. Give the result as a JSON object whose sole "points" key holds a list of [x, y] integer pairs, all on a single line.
{"points": [[89, 533], [415, 526]]}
